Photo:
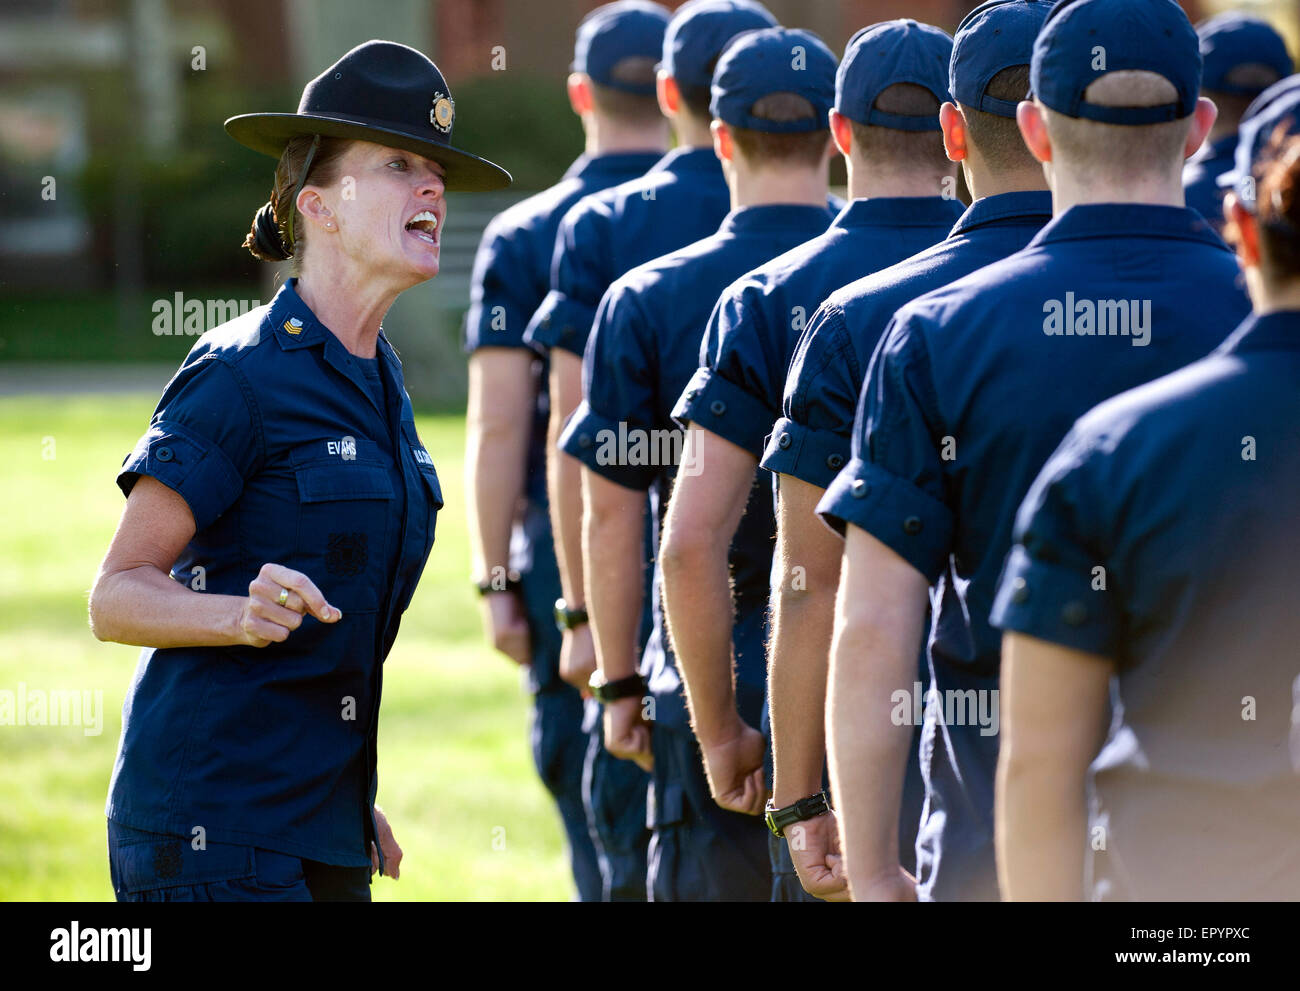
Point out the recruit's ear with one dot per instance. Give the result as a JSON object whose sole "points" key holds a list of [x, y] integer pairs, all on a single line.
{"points": [[1243, 231], [953, 125], [1032, 121], [841, 132], [669, 94], [723, 145], [580, 93], [1203, 118]]}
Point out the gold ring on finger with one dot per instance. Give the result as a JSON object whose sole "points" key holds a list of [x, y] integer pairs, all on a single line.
{"points": [[284, 596]]}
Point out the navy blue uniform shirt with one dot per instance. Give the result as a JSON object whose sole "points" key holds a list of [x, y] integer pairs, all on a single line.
{"points": [[970, 391], [812, 438], [1201, 178], [271, 435], [682, 199], [643, 350], [736, 391], [1184, 492]]}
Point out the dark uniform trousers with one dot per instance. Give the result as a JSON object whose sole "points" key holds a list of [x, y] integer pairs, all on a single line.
{"points": [[558, 742], [614, 791], [698, 850]]}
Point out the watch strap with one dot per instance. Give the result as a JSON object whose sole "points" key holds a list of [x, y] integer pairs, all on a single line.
{"points": [[621, 688], [778, 820], [568, 619], [511, 583]]}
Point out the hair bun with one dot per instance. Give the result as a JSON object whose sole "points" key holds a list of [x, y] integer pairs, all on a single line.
{"points": [[265, 240]]}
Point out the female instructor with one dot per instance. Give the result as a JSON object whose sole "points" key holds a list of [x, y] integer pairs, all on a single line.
{"points": [[279, 512]]}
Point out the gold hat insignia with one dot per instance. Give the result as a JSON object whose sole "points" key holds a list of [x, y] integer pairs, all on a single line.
{"points": [[443, 112]]}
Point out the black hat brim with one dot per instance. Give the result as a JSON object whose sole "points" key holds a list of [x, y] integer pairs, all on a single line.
{"points": [[269, 133]]}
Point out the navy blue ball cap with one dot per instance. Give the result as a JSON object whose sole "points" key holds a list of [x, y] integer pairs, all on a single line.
{"points": [[1232, 40], [994, 36], [381, 92], [614, 32], [774, 60], [1279, 105], [1084, 40], [700, 30], [881, 55]]}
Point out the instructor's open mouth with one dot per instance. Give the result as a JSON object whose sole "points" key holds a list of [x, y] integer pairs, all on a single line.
{"points": [[424, 225]]}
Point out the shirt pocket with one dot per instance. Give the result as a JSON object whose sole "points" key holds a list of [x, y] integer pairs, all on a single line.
{"points": [[344, 529]]}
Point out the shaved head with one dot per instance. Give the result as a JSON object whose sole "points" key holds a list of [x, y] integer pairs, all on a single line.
{"points": [[1099, 154]]}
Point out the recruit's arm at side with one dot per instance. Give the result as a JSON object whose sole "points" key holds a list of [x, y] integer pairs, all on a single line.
{"points": [[613, 546], [564, 488], [1054, 702], [708, 501], [879, 622], [502, 396]]}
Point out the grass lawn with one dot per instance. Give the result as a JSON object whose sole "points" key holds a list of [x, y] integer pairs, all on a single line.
{"points": [[456, 776]]}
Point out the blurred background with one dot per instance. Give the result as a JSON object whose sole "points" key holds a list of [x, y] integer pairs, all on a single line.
{"points": [[122, 207]]}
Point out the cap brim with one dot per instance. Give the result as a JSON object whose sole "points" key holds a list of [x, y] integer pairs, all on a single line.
{"points": [[269, 133]]}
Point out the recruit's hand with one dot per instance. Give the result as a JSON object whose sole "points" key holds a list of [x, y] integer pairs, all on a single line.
{"points": [[890, 885], [263, 620], [815, 849], [578, 658], [387, 843], [627, 734], [506, 626], [734, 766]]}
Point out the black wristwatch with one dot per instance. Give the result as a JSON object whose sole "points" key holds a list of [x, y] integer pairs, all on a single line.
{"points": [[512, 583], [802, 810], [566, 618], [612, 691]]}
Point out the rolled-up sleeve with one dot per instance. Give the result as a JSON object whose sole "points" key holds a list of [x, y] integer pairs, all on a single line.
{"points": [[503, 291], [813, 437], [203, 441], [618, 385], [893, 487], [580, 274], [1054, 584], [732, 393]]}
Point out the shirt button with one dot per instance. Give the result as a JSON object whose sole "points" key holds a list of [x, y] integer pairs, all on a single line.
{"points": [[835, 461], [785, 441], [717, 407], [584, 440], [859, 488], [566, 332], [1020, 591], [163, 454], [912, 526], [1074, 613]]}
